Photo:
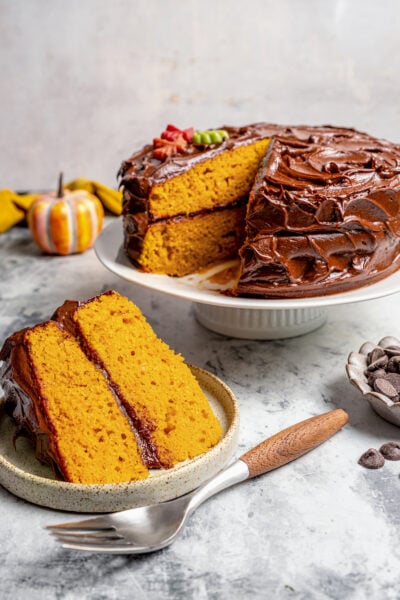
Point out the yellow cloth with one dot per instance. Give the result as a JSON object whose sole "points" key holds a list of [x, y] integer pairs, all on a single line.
{"points": [[111, 199], [13, 207], [10, 214]]}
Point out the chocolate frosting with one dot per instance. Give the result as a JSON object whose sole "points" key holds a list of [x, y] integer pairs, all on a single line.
{"points": [[18, 379], [323, 215]]}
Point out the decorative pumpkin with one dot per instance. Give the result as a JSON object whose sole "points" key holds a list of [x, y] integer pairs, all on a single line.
{"points": [[65, 222]]}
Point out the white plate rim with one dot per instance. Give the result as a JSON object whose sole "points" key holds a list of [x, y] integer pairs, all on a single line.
{"points": [[108, 250]]}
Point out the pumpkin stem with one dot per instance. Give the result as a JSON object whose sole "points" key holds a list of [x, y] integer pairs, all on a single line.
{"points": [[60, 192]]}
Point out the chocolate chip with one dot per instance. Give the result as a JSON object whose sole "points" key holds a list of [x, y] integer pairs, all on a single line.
{"points": [[375, 375], [383, 386], [376, 353], [393, 365], [392, 350], [379, 363], [390, 450], [394, 379], [371, 459]]}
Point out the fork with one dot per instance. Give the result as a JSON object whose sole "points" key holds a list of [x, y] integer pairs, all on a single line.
{"points": [[150, 528]]}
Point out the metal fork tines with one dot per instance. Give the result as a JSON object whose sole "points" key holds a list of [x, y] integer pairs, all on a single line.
{"points": [[98, 540]]}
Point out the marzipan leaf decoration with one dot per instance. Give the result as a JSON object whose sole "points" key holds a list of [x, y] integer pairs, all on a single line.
{"points": [[172, 141]]}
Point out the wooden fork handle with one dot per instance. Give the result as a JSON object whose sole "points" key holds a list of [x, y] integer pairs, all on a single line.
{"points": [[289, 444]]}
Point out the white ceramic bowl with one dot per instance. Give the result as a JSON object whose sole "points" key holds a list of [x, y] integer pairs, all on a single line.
{"points": [[355, 368]]}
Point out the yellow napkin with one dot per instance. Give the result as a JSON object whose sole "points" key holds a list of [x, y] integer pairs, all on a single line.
{"points": [[13, 207], [111, 199]]}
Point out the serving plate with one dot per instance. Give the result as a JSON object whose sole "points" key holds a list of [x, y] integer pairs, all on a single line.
{"points": [[237, 317], [22, 475]]}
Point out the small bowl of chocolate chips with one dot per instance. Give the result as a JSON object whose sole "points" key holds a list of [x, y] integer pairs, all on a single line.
{"points": [[375, 371]]}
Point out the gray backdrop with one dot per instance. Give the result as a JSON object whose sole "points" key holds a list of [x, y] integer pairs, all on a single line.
{"points": [[85, 82]]}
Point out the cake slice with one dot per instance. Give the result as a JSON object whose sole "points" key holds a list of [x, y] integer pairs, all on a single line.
{"points": [[101, 397], [64, 404], [156, 388]]}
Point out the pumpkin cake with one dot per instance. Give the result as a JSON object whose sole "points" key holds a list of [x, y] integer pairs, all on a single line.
{"points": [[101, 396], [323, 215]]}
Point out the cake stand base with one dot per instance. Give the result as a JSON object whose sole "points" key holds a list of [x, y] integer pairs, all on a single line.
{"points": [[260, 324]]}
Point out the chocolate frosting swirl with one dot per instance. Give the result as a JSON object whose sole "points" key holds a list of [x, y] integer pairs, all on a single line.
{"points": [[323, 215]]}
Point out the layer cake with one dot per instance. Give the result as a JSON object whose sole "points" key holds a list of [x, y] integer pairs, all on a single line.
{"points": [[323, 214]]}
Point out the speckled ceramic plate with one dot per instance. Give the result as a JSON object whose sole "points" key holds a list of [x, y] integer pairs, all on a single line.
{"points": [[356, 365], [24, 476]]}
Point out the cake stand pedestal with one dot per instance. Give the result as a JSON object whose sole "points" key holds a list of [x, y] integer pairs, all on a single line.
{"points": [[260, 324]]}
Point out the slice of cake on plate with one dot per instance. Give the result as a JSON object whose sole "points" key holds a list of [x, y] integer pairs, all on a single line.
{"points": [[102, 398]]}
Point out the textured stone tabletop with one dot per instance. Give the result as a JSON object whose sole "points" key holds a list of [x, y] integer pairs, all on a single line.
{"points": [[321, 527]]}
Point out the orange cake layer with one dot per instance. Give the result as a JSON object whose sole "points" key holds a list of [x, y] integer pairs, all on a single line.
{"points": [[186, 244]]}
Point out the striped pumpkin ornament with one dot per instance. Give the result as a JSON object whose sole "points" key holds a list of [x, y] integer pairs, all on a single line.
{"points": [[65, 222]]}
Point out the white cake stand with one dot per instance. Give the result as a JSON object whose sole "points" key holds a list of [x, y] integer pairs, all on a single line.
{"points": [[246, 318]]}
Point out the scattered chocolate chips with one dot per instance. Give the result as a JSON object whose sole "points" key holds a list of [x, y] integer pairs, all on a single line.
{"points": [[394, 379], [371, 459], [391, 450], [379, 363], [374, 375], [383, 371], [375, 459]]}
